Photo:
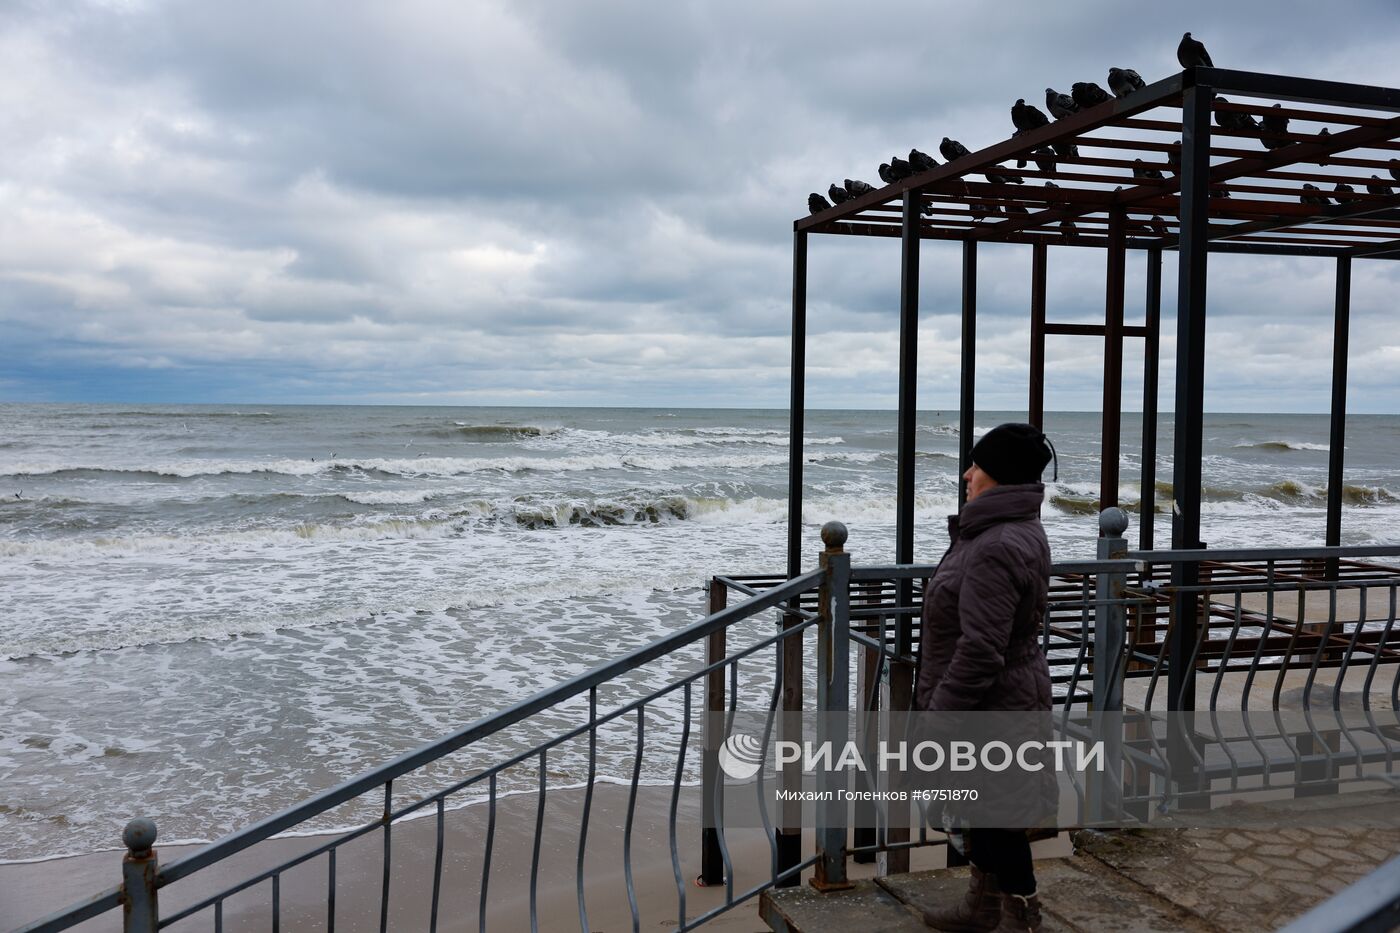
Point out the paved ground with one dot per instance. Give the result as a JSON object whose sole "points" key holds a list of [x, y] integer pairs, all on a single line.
{"points": [[1243, 868]]}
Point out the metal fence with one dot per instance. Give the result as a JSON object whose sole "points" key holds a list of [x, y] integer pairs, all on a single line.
{"points": [[1304, 629]]}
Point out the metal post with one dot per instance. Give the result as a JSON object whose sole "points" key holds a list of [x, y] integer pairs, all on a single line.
{"points": [[1111, 450], [140, 901], [967, 392], [711, 804], [1151, 345], [797, 402], [908, 396], [833, 706], [864, 833], [1036, 409], [789, 832], [1190, 402], [1336, 451], [1110, 625]]}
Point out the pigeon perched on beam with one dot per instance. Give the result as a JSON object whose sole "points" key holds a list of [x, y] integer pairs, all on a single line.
{"points": [[997, 178], [981, 211], [1142, 170], [1313, 195], [1174, 158], [1059, 105], [1123, 81], [1233, 120], [900, 168], [855, 187], [1088, 94], [837, 194], [1191, 53], [1322, 135], [1343, 192], [1158, 226], [1026, 117], [1065, 149], [1376, 186], [886, 173], [952, 149], [921, 161], [1274, 124], [1044, 158], [1220, 191], [1395, 169], [1014, 208], [816, 203], [1069, 230]]}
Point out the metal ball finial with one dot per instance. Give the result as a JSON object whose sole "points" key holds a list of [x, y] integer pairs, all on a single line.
{"points": [[1113, 522], [834, 535], [140, 835]]}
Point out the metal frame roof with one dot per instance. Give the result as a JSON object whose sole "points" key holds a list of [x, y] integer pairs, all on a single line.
{"points": [[1254, 205]]}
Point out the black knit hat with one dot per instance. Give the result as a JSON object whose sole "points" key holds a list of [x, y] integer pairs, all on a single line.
{"points": [[1014, 453]]}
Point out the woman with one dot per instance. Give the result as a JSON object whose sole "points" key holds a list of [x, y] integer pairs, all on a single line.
{"points": [[980, 650]]}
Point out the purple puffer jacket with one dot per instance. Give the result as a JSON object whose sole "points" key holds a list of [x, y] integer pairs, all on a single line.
{"points": [[980, 641]]}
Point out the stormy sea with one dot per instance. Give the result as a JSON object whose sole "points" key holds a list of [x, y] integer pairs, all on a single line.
{"points": [[211, 612]]}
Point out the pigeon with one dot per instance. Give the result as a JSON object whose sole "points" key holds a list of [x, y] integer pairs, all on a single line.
{"points": [[900, 168], [1174, 158], [1313, 198], [1059, 105], [981, 211], [1044, 158], [1233, 120], [1344, 192], [1395, 169], [855, 187], [1157, 225], [816, 203], [921, 161], [1142, 170], [836, 193], [1123, 81], [1065, 150], [1220, 191], [952, 149], [1192, 53], [886, 175], [1276, 124], [1068, 228], [999, 179], [1014, 208], [1088, 94], [1322, 135], [1379, 187], [1026, 117]]}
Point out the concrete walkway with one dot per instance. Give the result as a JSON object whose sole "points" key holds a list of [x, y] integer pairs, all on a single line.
{"points": [[1211, 876]]}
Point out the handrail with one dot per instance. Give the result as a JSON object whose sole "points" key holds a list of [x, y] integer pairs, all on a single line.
{"points": [[481, 728]]}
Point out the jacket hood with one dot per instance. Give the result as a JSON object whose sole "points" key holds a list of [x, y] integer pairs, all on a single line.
{"points": [[1015, 503]]}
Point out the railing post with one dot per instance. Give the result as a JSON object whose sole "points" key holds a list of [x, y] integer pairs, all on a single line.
{"points": [[140, 903], [1110, 625], [833, 707], [711, 859]]}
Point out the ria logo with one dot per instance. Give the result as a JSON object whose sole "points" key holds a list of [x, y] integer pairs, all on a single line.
{"points": [[741, 756]]}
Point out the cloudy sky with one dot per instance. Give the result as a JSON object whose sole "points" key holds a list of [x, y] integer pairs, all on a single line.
{"points": [[583, 202]]}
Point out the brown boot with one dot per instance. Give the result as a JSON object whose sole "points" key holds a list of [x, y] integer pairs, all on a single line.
{"points": [[1020, 913], [978, 911]]}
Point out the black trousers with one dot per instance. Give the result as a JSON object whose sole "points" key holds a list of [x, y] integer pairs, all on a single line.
{"points": [[1005, 853]]}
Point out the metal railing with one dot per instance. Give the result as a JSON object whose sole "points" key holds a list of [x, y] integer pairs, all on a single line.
{"points": [[1209, 619]]}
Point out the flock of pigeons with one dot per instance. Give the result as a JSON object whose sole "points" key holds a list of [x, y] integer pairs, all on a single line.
{"points": [[1271, 130]]}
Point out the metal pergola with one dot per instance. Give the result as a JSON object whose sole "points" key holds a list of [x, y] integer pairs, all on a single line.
{"points": [[1230, 189]]}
